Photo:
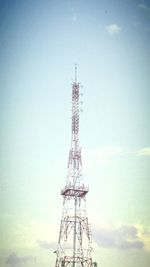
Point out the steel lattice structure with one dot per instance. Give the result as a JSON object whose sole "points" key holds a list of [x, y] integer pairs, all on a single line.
{"points": [[74, 244]]}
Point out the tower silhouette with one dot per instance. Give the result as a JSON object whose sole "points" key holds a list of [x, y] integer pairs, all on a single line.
{"points": [[74, 243]]}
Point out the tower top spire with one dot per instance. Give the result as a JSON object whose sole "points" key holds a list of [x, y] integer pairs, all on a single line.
{"points": [[75, 73]]}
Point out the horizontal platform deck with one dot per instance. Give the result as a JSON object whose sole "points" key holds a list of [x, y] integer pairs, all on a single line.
{"points": [[78, 191]]}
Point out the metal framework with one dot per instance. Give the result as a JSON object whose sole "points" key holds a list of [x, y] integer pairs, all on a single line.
{"points": [[74, 243]]}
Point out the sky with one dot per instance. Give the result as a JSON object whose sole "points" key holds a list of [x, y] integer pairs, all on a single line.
{"points": [[40, 41]]}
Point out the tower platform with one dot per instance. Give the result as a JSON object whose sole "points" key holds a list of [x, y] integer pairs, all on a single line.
{"points": [[74, 191]]}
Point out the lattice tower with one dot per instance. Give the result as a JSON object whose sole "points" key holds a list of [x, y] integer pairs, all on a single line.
{"points": [[74, 244]]}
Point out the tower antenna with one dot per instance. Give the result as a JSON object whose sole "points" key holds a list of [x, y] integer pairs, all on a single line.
{"points": [[74, 243], [75, 73]]}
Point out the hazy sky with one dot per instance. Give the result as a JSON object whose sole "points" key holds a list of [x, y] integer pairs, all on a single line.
{"points": [[40, 40]]}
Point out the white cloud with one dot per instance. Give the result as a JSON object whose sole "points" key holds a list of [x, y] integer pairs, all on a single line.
{"points": [[145, 8], [103, 155], [123, 237], [113, 29], [144, 151], [106, 155], [47, 245], [52, 245], [142, 6], [14, 260], [74, 18]]}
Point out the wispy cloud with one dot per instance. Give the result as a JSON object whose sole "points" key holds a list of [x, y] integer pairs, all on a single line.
{"points": [[103, 155], [52, 245], [106, 155], [142, 6], [124, 237], [144, 151], [14, 260], [145, 8], [47, 245], [113, 29], [74, 18]]}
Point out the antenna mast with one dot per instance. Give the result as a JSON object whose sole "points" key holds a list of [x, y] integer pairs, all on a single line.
{"points": [[74, 243], [75, 73]]}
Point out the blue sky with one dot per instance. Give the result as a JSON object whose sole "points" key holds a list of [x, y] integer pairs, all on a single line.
{"points": [[39, 43]]}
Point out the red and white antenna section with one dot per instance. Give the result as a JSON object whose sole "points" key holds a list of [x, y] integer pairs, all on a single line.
{"points": [[74, 243]]}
